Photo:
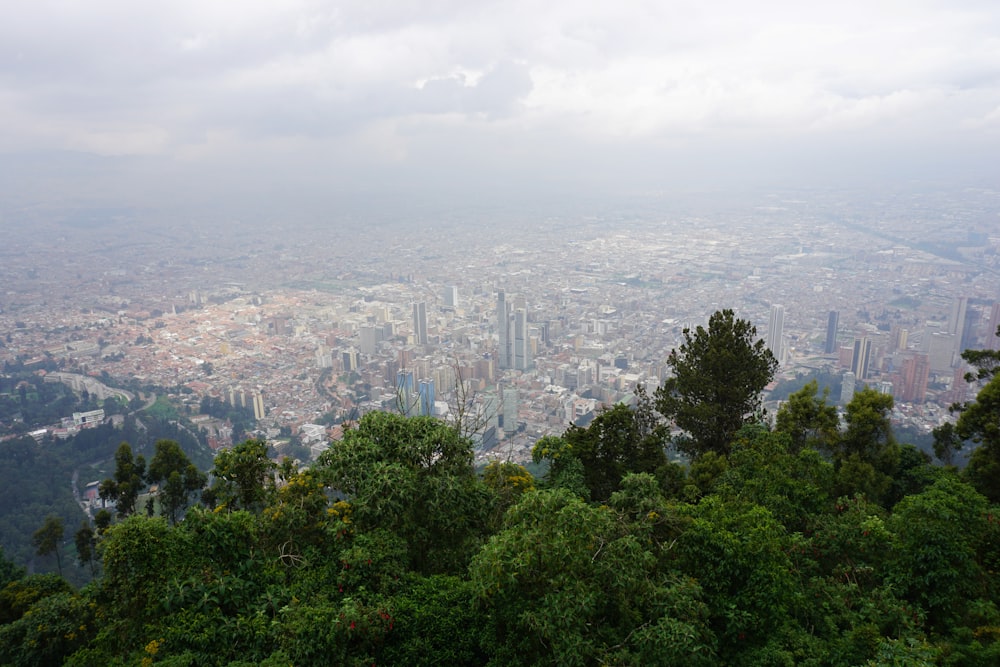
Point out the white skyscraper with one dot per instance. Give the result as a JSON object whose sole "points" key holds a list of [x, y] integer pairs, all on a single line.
{"points": [[522, 342], [775, 331], [450, 296]]}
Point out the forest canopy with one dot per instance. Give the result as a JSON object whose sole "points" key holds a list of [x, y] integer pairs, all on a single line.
{"points": [[817, 541]]}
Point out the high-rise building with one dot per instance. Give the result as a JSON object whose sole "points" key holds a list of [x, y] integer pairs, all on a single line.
{"points": [[847, 388], [420, 323], [404, 392], [915, 373], [992, 334], [900, 338], [509, 409], [258, 406], [970, 330], [350, 359], [833, 319], [522, 342], [425, 391], [324, 357], [957, 318], [504, 347], [450, 296], [368, 339], [862, 357], [775, 331]]}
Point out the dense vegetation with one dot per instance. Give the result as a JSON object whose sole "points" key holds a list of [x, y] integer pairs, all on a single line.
{"points": [[808, 544], [36, 477]]}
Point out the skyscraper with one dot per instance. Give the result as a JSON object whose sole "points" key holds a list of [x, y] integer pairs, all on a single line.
{"points": [[992, 339], [522, 343], [368, 339], [847, 388], [426, 394], [504, 347], [915, 373], [258, 406], [957, 319], [831, 332], [420, 323], [862, 357], [404, 392], [509, 409], [450, 296], [775, 331]]}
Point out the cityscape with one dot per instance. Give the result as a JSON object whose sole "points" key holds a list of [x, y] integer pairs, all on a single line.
{"points": [[516, 323]]}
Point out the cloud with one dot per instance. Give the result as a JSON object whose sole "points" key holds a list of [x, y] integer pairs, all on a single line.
{"points": [[494, 87]]}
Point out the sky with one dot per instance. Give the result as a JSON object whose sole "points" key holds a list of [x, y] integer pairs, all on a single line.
{"points": [[199, 102]]}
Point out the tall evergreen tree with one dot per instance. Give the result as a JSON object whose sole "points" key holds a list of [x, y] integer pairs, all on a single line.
{"points": [[718, 375]]}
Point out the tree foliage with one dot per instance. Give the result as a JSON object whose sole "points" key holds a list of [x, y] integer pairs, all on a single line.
{"points": [[618, 441], [177, 476], [718, 375], [798, 546], [128, 482]]}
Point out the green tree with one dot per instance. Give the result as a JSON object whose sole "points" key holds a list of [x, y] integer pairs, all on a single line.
{"points": [[739, 555], [128, 482], [9, 571], [86, 546], [414, 478], [979, 422], [620, 440], [808, 420], [141, 556], [718, 375], [565, 469], [243, 476], [569, 583], [509, 481], [936, 563], [47, 538], [179, 477], [764, 468], [867, 454], [52, 629]]}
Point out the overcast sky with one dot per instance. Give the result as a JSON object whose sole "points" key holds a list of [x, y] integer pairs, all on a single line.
{"points": [[295, 98]]}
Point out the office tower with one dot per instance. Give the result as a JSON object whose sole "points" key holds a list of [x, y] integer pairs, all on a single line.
{"points": [[258, 406], [862, 357], [425, 391], [915, 373], [420, 323], [940, 348], [847, 388], [391, 369], [833, 319], [509, 409], [368, 339], [900, 338], [350, 359], [504, 360], [969, 339], [324, 357], [992, 337], [404, 392], [451, 296], [522, 342], [775, 330], [490, 411], [957, 318]]}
